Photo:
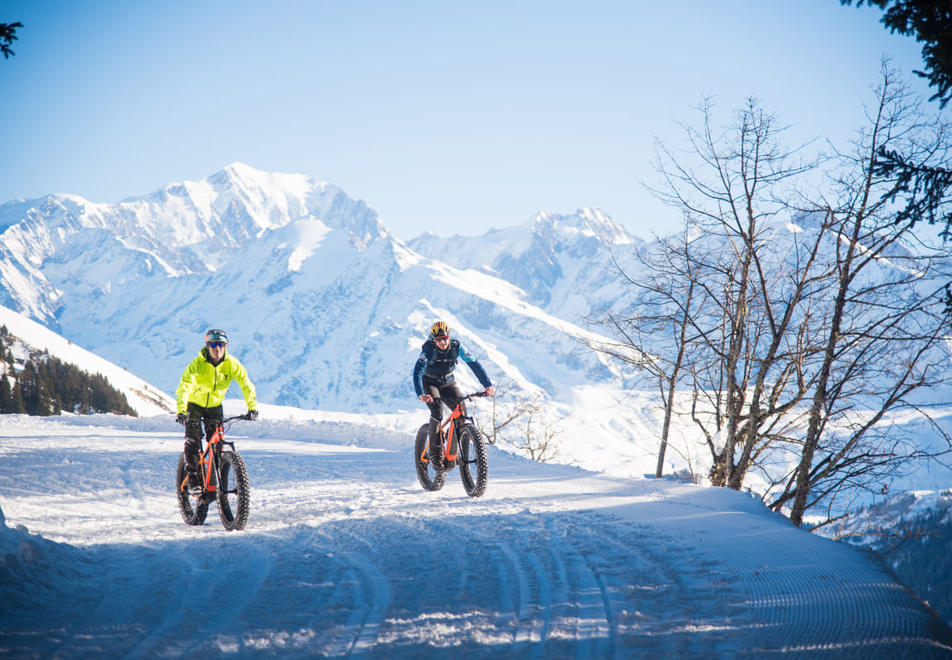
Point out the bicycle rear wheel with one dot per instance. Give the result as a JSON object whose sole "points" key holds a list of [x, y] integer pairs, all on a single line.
{"points": [[429, 478], [193, 508], [234, 491], [473, 463]]}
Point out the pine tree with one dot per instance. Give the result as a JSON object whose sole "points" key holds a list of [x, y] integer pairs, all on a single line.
{"points": [[930, 22], [6, 396], [8, 34], [16, 398]]}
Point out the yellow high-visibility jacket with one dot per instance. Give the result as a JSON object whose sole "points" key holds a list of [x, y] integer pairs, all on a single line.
{"points": [[205, 384]]}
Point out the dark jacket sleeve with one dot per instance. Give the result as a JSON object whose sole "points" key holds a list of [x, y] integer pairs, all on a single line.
{"points": [[418, 368], [475, 367]]}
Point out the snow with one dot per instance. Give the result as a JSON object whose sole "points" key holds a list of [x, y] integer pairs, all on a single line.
{"points": [[346, 555], [310, 235]]}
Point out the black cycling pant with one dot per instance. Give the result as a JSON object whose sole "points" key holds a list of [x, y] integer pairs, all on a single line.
{"points": [[449, 395], [197, 415]]}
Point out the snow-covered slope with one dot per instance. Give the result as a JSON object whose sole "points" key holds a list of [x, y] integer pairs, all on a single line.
{"points": [[142, 397], [345, 555]]}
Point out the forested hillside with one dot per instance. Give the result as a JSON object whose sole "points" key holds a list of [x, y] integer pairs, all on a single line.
{"points": [[37, 383]]}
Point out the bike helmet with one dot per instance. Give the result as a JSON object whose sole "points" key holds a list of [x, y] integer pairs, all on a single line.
{"points": [[439, 330], [216, 335]]}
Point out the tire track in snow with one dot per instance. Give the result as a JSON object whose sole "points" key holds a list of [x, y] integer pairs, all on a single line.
{"points": [[366, 617], [518, 566], [591, 621], [212, 593], [648, 604], [596, 626], [528, 628], [186, 586], [558, 602], [602, 583]]}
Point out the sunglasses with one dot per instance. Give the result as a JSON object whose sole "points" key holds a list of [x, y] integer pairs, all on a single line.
{"points": [[441, 339], [216, 344]]}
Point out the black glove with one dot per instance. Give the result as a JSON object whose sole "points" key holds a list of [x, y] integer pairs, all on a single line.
{"points": [[252, 415], [181, 418]]}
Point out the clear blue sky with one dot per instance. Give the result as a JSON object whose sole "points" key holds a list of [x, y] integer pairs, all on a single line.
{"points": [[445, 116]]}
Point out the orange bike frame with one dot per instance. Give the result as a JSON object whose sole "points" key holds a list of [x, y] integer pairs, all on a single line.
{"points": [[446, 434], [206, 460], [446, 431]]}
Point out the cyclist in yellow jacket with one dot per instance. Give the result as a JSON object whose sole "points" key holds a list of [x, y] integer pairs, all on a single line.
{"points": [[200, 394]]}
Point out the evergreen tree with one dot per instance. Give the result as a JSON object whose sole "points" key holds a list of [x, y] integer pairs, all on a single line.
{"points": [[16, 398], [32, 391], [6, 396], [47, 386], [8, 34], [930, 22]]}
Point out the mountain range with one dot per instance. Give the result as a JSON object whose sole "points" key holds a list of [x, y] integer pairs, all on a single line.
{"points": [[324, 306]]}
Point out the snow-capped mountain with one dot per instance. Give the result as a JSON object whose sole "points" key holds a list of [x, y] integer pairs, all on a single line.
{"points": [[323, 305], [563, 262]]}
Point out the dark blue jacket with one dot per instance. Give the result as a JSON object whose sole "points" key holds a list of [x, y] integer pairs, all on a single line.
{"points": [[437, 366]]}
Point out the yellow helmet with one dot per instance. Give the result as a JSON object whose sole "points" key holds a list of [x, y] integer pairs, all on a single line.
{"points": [[440, 329]]}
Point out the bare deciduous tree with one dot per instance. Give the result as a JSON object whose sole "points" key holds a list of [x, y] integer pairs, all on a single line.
{"points": [[656, 331], [521, 423], [801, 316], [883, 329], [745, 362]]}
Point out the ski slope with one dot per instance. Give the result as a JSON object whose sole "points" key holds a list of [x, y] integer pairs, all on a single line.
{"points": [[345, 555]]}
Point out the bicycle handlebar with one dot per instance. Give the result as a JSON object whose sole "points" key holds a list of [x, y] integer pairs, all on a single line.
{"points": [[245, 416], [466, 397]]}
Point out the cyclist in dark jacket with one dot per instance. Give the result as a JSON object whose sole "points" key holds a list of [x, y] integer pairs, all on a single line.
{"points": [[434, 382]]}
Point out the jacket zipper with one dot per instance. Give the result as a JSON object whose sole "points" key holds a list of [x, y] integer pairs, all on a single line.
{"points": [[208, 397]]}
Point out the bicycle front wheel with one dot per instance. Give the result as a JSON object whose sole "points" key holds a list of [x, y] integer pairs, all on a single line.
{"points": [[193, 508], [473, 463], [429, 478], [234, 491]]}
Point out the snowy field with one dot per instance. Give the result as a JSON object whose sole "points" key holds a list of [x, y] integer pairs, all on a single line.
{"points": [[345, 555]]}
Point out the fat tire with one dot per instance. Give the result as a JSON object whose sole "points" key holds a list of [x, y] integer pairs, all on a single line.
{"points": [[473, 463], [194, 508], [429, 478], [234, 491]]}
